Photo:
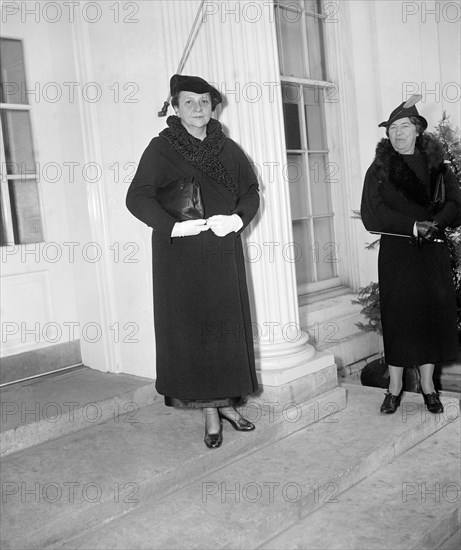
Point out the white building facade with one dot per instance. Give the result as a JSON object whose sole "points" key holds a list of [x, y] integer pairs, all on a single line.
{"points": [[306, 84]]}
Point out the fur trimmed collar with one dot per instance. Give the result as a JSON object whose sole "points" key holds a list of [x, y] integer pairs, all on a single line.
{"points": [[392, 166], [201, 154]]}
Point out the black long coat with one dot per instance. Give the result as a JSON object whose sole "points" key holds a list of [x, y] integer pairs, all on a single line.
{"points": [[417, 296], [201, 307]]}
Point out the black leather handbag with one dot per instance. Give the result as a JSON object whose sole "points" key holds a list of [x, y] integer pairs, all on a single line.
{"points": [[182, 199], [439, 198]]}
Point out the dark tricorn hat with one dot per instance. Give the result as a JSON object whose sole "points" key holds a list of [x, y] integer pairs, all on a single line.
{"points": [[184, 83], [406, 109]]}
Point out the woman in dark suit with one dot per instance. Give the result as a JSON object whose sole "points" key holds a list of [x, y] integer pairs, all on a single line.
{"points": [[417, 296], [205, 356]]}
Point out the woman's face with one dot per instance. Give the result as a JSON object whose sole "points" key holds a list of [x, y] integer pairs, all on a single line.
{"points": [[403, 134], [194, 110]]}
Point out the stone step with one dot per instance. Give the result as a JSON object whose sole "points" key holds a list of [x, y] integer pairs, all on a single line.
{"points": [[398, 507], [41, 409], [332, 327], [353, 349], [329, 322], [453, 543], [449, 375], [328, 308], [251, 500], [85, 478]]}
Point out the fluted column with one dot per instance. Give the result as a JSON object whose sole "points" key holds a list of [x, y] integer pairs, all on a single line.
{"points": [[236, 49]]}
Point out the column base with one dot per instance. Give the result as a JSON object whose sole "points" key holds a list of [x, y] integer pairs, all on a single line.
{"points": [[275, 356], [300, 383]]}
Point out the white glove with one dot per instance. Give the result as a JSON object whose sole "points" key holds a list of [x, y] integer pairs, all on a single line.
{"points": [[189, 228], [223, 225]]}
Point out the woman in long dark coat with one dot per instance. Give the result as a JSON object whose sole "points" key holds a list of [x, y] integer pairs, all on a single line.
{"points": [[417, 295], [204, 345]]}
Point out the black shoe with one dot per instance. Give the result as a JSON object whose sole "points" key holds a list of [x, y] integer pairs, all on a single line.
{"points": [[241, 425], [391, 403], [213, 441], [433, 402]]}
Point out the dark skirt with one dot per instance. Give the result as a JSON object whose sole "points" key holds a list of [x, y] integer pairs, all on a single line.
{"points": [[418, 302]]}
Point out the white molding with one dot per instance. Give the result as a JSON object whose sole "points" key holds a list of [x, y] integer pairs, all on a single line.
{"points": [[104, 355], [16, 106], [339, 132]]}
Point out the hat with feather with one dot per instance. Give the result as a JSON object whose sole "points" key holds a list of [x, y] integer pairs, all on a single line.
{"points": [[406, 109]]}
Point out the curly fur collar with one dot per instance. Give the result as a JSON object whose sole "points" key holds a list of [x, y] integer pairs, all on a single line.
{"points": [[391, 166], [201, 154]]}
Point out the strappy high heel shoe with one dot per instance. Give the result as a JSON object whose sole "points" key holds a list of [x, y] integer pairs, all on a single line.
{"points": [[241, 424]]}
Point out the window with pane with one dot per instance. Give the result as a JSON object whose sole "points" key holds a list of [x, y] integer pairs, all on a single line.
{"points": [[309, 172], [300, 38], [20, 213]]}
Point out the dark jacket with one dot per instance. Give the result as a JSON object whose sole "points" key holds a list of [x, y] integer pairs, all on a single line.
{"points": [[393, 196], [201, 306]]}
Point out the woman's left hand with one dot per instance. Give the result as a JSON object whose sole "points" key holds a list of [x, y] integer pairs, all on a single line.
{"points": [[223, 225], [427, 230]]}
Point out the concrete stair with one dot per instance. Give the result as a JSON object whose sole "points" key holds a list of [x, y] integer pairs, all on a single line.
{"points": [[93, 475], [147, 480], [397, 507], [41, 409]]}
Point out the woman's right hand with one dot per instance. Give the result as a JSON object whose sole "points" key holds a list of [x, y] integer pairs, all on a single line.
{"points": [[189, 228]]}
